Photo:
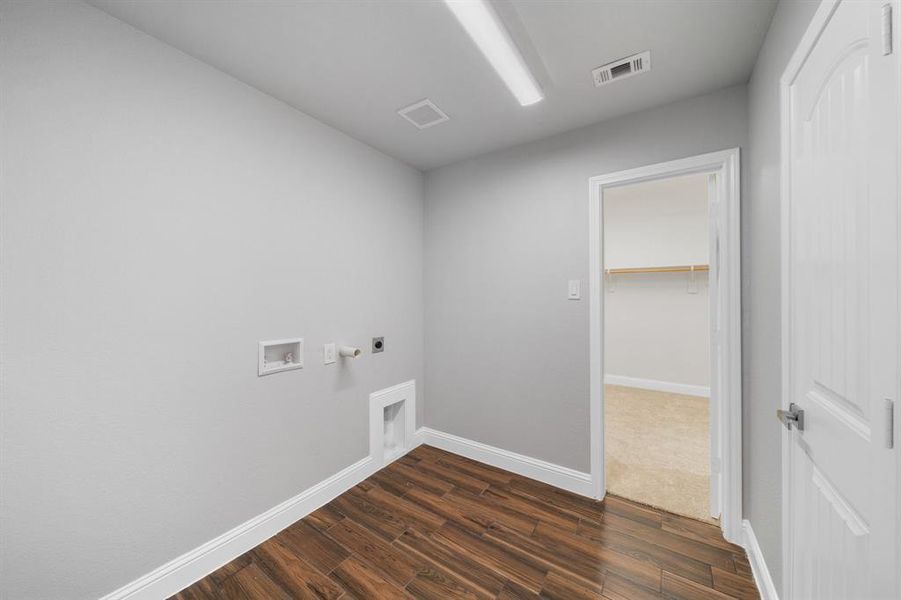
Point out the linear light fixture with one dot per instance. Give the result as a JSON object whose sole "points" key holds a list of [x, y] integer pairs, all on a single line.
{"points": [[483, 25]]}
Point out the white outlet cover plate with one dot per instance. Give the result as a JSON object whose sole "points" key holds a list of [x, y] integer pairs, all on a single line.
{"points": [[329, 354]]}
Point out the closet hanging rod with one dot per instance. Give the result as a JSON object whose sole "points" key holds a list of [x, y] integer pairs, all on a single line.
{"points": [[670, 269]]}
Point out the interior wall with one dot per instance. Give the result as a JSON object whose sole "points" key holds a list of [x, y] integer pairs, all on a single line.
{"points": [[506, 351], [657, 223], [157, 219], [761, 336], [655, 329]]}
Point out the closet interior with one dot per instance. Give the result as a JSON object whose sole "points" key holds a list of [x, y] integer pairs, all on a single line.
{"points": [[656, 344]]}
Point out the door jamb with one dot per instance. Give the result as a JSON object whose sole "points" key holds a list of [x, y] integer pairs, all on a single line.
{"points": [[726, 164]]}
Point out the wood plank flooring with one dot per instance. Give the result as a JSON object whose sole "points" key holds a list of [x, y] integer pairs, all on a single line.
{"points": [[434, 525]]}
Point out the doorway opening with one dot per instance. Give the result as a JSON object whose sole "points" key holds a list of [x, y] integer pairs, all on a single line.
{"points": [[666, 337], [657, 344]]}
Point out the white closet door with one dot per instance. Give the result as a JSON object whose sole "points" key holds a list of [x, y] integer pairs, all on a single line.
{"points": [[842, 307]]}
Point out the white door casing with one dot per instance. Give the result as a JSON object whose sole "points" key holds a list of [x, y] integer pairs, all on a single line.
{"points": [[724, 165], [714, 313], [840, 130]]}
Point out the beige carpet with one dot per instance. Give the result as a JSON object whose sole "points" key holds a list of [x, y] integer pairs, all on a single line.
{"points": [[658, 449]]}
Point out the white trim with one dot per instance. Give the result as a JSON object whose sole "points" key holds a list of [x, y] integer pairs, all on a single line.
{"points": [[658, 386], [402, 392], [533, 468], [762, 576], [726, 165], [419, 436], [596, 340], [192, 566], [714, 303], [805, 45]]}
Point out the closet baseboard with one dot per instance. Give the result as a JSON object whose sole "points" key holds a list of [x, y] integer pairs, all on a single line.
{"points": [[658, 386]]}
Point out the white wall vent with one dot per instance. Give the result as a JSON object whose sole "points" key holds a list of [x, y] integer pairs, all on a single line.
{"points": [[423, 114], [622, 68]]}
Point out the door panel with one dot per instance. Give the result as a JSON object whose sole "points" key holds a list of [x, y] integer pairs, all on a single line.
{"points": [[842, 310]]}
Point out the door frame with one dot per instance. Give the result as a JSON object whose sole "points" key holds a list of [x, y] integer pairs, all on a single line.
{"points": [[726, 165]]}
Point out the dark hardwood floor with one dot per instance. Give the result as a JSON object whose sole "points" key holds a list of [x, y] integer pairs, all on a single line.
{"points": [[435, 525]]}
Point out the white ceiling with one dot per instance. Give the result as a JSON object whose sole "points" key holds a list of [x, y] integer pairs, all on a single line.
{"points": [[352, 64]]}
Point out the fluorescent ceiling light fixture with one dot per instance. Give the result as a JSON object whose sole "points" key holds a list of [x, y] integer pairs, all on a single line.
{"points": [[483, 25]]}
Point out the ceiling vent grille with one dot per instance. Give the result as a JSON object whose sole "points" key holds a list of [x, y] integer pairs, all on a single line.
{"points": [[622, 68], [423, 114]]}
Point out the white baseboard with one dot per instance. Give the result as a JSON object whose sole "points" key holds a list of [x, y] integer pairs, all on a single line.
{"points": [[192, 566], [758, 565], [181, 572], [549, 473], [659, 386]]}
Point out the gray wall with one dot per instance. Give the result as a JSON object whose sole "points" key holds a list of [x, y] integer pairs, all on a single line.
{"points": [[158, 219], [506, 352], [761, 289], [654, 328]]}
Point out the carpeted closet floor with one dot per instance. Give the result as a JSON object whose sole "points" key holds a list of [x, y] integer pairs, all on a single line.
{"points": [[658, 449]]}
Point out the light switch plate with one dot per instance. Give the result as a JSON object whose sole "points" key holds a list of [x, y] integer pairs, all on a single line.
{"points": [[575, 289], [329, 354]]}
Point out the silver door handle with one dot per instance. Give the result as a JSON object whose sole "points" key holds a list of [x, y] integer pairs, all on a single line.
{"points": [[793, 416]]}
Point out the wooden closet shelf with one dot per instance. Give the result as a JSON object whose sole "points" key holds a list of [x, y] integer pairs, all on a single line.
{"points": [[670, 269]]}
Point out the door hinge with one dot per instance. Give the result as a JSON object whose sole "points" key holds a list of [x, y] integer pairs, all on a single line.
{"points": [[889, 423], [886, 29]]}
